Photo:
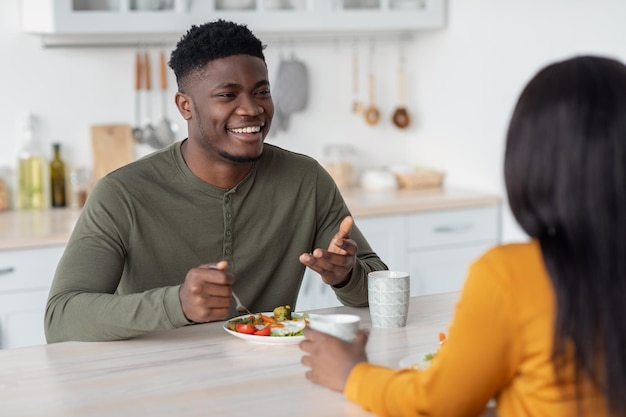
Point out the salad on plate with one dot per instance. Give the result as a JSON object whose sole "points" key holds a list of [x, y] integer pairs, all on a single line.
{"points": [[421, 361], [278, 327]]}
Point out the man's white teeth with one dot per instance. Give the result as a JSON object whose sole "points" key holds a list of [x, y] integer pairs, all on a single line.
{"points": [[252, 129]]}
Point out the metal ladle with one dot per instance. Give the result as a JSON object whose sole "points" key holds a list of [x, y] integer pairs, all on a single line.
{"points": [[137, 130], [166, 129], [149, 132]]}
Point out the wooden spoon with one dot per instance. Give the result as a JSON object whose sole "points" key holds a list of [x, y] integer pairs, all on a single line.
{"points": [[357, 105], [372, 115], [400, 117]]}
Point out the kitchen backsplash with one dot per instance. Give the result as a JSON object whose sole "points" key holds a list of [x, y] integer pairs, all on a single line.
{"points": [[461, 84]]}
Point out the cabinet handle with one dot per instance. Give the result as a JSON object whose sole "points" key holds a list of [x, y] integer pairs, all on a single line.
{"points": [[461, 228], [7, 270]]}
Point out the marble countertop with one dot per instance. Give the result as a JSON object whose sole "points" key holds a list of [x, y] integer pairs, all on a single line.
{"points": [[21, 229]]}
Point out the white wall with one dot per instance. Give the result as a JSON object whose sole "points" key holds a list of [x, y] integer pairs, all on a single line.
{"points": [[462, 83]]}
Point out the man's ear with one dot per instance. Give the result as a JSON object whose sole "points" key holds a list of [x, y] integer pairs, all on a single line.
{"points": [[183, 103]]}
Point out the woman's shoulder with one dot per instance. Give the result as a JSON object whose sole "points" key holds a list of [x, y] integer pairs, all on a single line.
{"points": [[512, 265], [517, 251]]}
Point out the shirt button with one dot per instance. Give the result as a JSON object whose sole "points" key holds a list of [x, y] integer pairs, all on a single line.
{"points": [[229, 216]]}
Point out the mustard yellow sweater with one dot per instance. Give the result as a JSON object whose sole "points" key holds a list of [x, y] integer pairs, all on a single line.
{"points": [[499, 345]]}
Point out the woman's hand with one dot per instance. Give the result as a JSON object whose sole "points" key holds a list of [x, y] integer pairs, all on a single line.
{"points": [[331, 359]]}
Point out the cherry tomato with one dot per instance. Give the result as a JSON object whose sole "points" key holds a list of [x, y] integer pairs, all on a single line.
{"points": [[245, 328], [263, 332]]}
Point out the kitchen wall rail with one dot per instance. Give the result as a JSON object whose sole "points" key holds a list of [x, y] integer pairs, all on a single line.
{"points": [[60, 23], [57, 42]]}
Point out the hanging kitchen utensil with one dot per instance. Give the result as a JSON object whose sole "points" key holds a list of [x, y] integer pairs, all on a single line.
{"points": [[291, 91], [166, 129], [149, 132], [137, 129], [372, 114], [401, 116], [357, 104]]}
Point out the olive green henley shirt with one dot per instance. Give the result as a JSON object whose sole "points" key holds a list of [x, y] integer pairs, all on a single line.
{"points": [[146, 224]]}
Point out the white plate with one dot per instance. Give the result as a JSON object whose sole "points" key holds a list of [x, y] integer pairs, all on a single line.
{"points": [[416, 360], [265, 340]]}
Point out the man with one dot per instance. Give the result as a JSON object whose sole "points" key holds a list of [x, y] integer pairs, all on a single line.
{"points": [[162, 242]]}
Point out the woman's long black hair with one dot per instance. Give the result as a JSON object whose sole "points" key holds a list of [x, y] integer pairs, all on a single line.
{"points": [[565, 172]]}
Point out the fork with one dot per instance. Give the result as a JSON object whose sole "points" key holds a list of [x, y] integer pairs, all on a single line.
{"points": [[240, 307]]}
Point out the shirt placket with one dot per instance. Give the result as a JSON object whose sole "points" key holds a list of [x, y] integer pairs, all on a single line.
{"points": [[228, 227]]}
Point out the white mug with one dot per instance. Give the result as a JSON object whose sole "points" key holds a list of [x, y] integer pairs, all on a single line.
{"points": [[343, 326], [388, 297]]}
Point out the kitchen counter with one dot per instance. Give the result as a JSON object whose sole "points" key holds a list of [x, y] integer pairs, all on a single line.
{"points": [[199, 370], [364, 203], [21, 229]]}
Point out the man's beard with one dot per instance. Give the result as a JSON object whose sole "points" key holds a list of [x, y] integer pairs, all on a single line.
{"points": [[239, 159]]}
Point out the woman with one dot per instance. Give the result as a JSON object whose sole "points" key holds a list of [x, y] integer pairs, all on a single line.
{"points": [[540, 325]]}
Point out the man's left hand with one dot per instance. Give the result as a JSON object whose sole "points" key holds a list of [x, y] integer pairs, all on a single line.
{"points": [[336, 263]]}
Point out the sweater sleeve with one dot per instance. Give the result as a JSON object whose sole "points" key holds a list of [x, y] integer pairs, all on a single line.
{"points": [[83, 304], [331, 211], [477, 360]]}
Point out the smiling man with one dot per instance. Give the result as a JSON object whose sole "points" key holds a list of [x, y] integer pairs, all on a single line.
{"points": [[162, 242]]}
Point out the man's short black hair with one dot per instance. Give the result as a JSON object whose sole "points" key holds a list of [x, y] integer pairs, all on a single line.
{"points": [[211, 41]]}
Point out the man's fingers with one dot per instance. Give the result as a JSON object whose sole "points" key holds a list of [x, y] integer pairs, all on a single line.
{"points": [[220, 266], [345, 227]]}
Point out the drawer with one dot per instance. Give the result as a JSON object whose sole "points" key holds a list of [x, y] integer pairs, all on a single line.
{"points": [[454, 227], [28, 268], [387, 237], [442, 270]]}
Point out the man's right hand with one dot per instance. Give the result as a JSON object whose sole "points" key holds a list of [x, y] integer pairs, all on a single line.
{"points": [[205, 294]]}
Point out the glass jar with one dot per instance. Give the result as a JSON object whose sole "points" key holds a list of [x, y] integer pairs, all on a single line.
{"points": [[340, 162], [79, 186]]}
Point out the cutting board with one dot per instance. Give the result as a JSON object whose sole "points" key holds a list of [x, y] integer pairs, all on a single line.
{"points": [[112, 147]]}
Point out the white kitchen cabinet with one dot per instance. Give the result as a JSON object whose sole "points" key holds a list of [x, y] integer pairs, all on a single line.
{"points": [[172, 18], [25, 279], [442, 270], [442, 244], [435, 246], [384, 235]]}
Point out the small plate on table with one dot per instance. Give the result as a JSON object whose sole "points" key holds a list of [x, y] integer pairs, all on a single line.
{"points": [[415, 361], [265, 340]]}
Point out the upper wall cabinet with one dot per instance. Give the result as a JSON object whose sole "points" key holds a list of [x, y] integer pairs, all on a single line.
{"points": [[134, 20]]}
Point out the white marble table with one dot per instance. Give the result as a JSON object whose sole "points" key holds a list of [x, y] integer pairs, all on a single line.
{"points": [[198, 370]]}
